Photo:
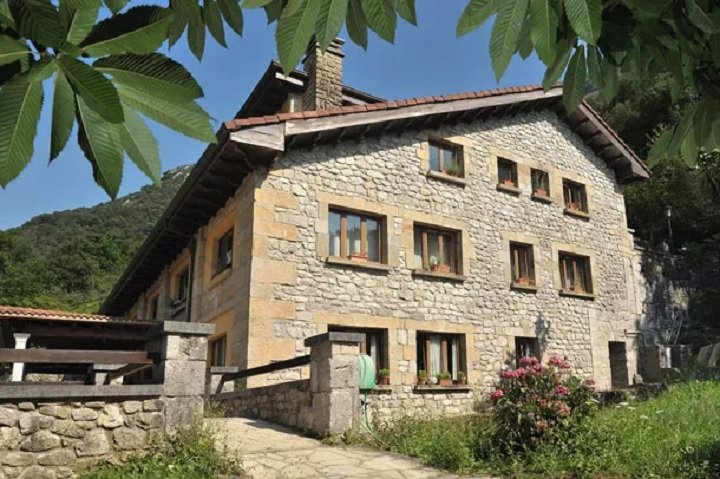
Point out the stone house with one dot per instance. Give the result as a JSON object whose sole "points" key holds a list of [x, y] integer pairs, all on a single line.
{"points": [[456, 233]]}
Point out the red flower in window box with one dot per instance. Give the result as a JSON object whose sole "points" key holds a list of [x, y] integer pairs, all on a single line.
{"points": [[440, 268], [541, 192], [574, 206], [509, 182], [358, 257], [523, 281]]}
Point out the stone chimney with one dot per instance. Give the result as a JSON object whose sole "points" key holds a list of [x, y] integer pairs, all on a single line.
{"points": [[324, 76]]}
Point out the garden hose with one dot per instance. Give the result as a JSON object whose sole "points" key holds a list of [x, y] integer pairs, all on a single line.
{"points": [[367, 423]]}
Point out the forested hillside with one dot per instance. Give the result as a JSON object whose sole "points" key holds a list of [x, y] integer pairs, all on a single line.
{"points": [[71, 259]]}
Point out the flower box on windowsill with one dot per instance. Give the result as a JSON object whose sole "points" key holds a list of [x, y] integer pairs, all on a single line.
{"points": [[441, 389], [541, 195], [336, 260], [573, 209], [508, 188], [362, 258], [440, 268], [437, 274], [438, 175]]}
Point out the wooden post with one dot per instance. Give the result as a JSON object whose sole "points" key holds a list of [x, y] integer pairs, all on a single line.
{"points": [[19, 368]]}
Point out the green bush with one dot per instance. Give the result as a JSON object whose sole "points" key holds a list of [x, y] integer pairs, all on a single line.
{"points": [[191, 454]]}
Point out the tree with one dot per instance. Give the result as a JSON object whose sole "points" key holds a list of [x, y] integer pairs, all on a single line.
{"points": [[107, 73]]}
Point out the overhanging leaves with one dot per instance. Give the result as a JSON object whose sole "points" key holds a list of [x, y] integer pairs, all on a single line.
{"points": [[100, 141], [586, 18], [140, 144], [96, 90], [37, 20], [357, 24], [232, 14], [574, 84], [381, 18], [543, 30], [63, 115], [20, 103], [11, 50], [406, 9], [80, 21], [330, 21], [139, 30], [213, 19], [294, 31], [506, 33], [475, 14]]}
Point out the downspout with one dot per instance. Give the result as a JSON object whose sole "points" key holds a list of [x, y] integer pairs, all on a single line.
{"points": [[191, 277]]}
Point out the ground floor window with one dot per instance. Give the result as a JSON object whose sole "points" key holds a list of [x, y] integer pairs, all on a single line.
{"points": [[526, 347], [374, 345], [440, 353], [218, 351]]}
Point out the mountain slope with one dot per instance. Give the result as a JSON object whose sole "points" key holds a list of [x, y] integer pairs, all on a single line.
{"points": [[71, 259]]}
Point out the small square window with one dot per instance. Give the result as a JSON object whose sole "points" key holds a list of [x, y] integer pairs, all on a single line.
{"points": [[441, 353], [224, 253], [182, 285], [374, 345], [218, 351], [446, 158], [355, 236], [437, 250], [575, 197], [507, 173], [575, 274], [525, 348], [522, 263], [153, 305], [540, 183]]}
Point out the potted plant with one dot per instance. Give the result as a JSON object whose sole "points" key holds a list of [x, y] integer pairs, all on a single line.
{"points": [[444, 379], [422, 377], [438, 267], [574, 206], [540, 184], [462, 378], [384, 377], [452, 170], [357, 256], [509, 182], [522, 280]]}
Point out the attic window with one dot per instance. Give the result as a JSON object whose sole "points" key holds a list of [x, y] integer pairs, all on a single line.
{"points": [[446, 158], [507, 174], [224, 249], [575, 198]]}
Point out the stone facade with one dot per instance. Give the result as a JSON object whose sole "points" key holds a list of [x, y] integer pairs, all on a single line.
{"points": [[399, 401], [54, 440]]}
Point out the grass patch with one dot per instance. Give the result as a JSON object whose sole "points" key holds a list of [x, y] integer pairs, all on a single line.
{"points": [[672, 436], [191, 454]]}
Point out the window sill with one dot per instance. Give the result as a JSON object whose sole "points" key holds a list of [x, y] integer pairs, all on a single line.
{"points": [[178, 308], [219, 277], [445, 177], [436, 274], [541, 199], [514, 190], [379, 390], [441, 389], [524, 287], [357, 264], [577, 294], [576, 213]]}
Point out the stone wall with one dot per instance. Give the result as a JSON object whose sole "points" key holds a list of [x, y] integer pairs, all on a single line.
{"points": [[49, 440], [406, 401]]}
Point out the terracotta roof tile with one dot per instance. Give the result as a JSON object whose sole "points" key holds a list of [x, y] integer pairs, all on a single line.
{"points": [[13, 312]]}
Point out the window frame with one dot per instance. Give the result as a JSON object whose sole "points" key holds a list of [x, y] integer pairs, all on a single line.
{"points": [[382, 342], [518, 263], [537, 185], [455, 263], [447, 361], [222, 339], [178, 297], [456, 156], [224, 242], [503, 162], [532, 342], [575, 259], [153, 307], [570, 190], [364, 216]]}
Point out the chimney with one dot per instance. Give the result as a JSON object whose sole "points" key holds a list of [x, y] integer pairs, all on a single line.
{"points": [[324, 76]]}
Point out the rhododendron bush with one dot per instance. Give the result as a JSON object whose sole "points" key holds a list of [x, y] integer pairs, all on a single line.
{"points": [[534, 401]]}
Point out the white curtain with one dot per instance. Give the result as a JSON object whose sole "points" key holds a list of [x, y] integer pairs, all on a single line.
{"points": [[418, 250], [435, 355]]}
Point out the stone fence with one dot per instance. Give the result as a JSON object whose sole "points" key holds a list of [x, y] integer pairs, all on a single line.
{"points": [[52, 431]]}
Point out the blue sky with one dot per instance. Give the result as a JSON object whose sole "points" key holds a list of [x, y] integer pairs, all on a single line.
{"points": [[425, 60]]}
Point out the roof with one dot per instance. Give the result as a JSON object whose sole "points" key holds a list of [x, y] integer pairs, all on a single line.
{"points": [[245, 144], [13, 312]]}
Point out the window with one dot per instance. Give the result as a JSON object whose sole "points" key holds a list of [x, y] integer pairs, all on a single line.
{"points": [[446, 158], [507, 173], [526, 347], [436, 250], [540, 183], [575, 196], [224, 257], [355, 236], [182, 284], [440, 353], [575, 273], [153, 305], [218, 350], [374, 345], [522, 264]]}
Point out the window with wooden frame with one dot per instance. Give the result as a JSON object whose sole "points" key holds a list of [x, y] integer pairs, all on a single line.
{"points": [[437, 250], [218, 351], [522, 264], [507, 173], [446, 158], [525, 348], [224, 252], [575, 275], [540, 183], [355, 236], [575, 196], [375, 343], [153, 306], [441, 353], [182, 285]]}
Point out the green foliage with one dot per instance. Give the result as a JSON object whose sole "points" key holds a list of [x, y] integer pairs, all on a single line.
{"points": [[71, 259], [191, 454]]}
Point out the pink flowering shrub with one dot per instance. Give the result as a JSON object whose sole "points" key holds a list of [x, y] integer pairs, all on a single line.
{"points": [[533, 401]]}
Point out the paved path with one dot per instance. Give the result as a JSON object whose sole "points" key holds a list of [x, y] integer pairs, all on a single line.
{"points": [[270, 451]]}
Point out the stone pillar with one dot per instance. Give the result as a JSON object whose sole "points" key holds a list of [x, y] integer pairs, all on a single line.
{"points": [[323, 89], [182, 369], [19, 368], [334, 382]]}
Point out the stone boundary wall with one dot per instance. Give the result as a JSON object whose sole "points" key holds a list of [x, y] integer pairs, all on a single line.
{"points": [[405, 401], [284, 403], [54, 440]]}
